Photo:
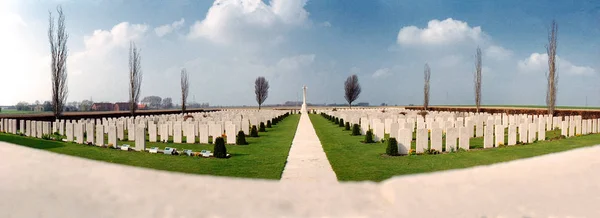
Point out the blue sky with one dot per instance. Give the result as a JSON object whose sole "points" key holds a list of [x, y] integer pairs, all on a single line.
{"points": [[225, 44]]}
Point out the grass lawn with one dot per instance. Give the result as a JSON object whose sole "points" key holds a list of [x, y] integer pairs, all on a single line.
{"points": [[354, 161], [13, 111], [263, 158]]}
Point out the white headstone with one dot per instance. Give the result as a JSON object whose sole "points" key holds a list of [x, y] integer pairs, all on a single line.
{"points": [[99, 135], [140, 139], [112, 135], [436, 139], [203, 133], [404, 140], [512, 134], [231, 134], [499, 135], [463, 141], [422, 140]]}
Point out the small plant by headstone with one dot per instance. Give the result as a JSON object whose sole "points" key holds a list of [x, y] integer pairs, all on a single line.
{"points": [[369, 137], [355, 129], [341, 124], [254, 131], [262, 127], [392, 147], [220, 151], [347, 127], [241, 138], [269, 124]]}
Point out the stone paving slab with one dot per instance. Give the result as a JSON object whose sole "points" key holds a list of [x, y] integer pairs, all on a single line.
{"points": [[307, 160], [38, 183]]}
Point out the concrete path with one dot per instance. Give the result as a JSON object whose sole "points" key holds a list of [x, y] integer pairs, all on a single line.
{"points": [[307, 161], [37, 183]]}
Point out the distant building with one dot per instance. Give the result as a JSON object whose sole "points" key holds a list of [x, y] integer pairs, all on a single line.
{"points": [[362, 104], [102, 107], [38, 108], [121, 106]]}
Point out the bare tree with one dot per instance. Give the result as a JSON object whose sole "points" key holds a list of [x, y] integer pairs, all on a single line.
{"points": [[427, 73], [58, 51], [351, 89], [261, 89], [552, 74], [184, 88], [477, 79], [135, 77]]}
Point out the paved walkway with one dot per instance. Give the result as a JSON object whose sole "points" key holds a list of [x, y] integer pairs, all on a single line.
{"points": [[307, 161], [37, 183]]}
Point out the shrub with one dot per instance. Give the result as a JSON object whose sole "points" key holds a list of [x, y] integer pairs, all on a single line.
{"points": [[341, 123], [220, 151], [337, 120], [347, 127], [274, 122], [241, 138], [254, 131], [269, 124], [412, 152], [355, 129], [392, 147], [369, 137], [262, 127]]}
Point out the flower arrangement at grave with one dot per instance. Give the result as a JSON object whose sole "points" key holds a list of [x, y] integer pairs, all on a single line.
{"points": [[412, 152], [110, 145]]}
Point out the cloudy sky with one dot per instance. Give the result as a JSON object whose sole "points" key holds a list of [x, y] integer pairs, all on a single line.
{"points": [[226, 44]]}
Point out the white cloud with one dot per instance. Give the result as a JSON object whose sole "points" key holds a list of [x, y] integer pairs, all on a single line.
{"points": [[296, 62], [538, 63], [383, 72], [440, 32], [498, 53], [326, 24], [234, 20], [168, 28]]}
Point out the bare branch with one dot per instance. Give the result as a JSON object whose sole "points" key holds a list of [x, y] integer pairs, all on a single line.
{"points": [[184, 89], [261, 89], [351, 89], [552, 74], [477, 79], [427, 74], [135, 77], [58, 38]]}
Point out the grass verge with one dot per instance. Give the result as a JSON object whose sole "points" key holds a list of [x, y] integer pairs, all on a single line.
{"points": [[263, 158], [354, 161]]}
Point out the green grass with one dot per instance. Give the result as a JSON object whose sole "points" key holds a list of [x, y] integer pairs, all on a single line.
{"points": [[13, 111], [354, 161], [263, 158]]}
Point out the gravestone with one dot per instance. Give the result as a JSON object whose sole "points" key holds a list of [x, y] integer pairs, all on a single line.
{"points": [[39, 129], [246, 126], [120, 127], [378, 131], [79, 133], [203, 133], [512, 134], [112, 135], [532, 133], [523, 133], [152, 134], [564, 128], [394, 130], [488, 136], [451, 137], [463, 135], [231, 134], [177, 132], [422, 140], [69, 131], [436, 139], [90, 133], [131, 132], [140, 139], [404, 140], [479, 128], [190, 137], [28, 128], [571, 128], [22, 126], [99, 135], [499, 135], [164, 133]]}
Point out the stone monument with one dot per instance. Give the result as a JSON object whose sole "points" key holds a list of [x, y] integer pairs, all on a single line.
{"points": [[303, 110]]}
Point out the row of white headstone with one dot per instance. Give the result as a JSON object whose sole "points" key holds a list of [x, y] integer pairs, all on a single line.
{"points": [[402, 124], [203, 126]]}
